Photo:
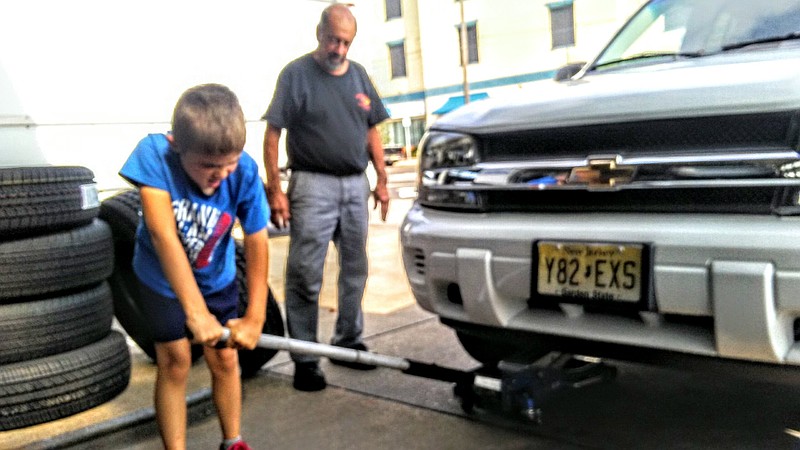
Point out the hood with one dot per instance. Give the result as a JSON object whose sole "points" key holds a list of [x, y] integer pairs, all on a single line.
{"points": [[729, 83]]}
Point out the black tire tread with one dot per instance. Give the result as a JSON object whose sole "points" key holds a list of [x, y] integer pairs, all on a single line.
{"points": [[47, 198], [124, 287], [15, 176], [46, 327], [122, 213], [56, 262], [57, 386]]}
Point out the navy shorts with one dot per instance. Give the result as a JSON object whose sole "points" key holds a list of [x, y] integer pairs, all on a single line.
{"points": [[167, 319]]}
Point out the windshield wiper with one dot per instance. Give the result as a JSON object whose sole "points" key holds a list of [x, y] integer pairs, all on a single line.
{"points": [[785, 37], [650, 55]]}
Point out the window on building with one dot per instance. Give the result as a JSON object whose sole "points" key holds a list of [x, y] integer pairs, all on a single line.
{"points": [[417, 130], [397, 57], [562, 24], [393, 9], [472, 42], [395, 133]]}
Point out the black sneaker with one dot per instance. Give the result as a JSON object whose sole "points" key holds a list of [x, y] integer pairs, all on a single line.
{"points": [[308, 377], [354, 365]]}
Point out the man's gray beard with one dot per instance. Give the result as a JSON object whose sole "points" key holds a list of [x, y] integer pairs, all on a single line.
{"points": [[331, 65]]}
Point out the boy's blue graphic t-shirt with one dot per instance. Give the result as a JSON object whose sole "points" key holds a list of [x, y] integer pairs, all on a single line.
{"points": [[204, 222]]}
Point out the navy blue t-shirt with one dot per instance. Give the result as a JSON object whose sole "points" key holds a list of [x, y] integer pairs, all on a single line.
{"points": [[326, 116]]}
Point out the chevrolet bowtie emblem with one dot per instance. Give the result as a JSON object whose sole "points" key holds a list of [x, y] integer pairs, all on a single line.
{"points": [[602, 172]]}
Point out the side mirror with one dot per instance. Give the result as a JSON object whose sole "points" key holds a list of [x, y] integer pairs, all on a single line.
{"points": [[566, 72]]}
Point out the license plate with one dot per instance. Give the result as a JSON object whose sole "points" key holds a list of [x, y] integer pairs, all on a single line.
{"points": [[589, 271]]}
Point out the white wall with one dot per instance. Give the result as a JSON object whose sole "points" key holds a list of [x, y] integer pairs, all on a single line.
{"points": [[92, 77]]}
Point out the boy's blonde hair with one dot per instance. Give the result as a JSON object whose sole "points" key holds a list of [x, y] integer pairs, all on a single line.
{"points": [[208, 120]]}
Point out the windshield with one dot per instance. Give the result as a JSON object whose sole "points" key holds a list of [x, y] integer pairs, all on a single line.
{"points": [[671, 29]]}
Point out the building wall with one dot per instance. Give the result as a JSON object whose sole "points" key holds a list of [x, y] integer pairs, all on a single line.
{"points": [[514, 47]]}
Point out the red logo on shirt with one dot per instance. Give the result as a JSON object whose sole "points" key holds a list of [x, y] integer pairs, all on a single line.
{"points": [[363, 101], [200, 228], [204, 257]]}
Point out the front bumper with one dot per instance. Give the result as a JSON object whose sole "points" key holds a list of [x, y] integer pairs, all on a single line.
{"points": [[723, 285]]}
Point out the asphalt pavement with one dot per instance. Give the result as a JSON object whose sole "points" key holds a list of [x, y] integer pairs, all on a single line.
{"points": [[644, 407]]}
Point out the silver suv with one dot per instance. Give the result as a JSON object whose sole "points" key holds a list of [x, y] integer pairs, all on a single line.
{"points": [[646, 207]]}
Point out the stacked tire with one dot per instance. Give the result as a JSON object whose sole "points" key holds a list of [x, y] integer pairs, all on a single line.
{"points": [[58, 352], [123, 213]]}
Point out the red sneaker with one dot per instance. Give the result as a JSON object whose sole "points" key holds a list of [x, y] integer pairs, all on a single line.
{"points": [[238, 445]]}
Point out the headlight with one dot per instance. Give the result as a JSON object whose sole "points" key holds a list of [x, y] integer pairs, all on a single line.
{"points": [[442, 150], [446, 170]]}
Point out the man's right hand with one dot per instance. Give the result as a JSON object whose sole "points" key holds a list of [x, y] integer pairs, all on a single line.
{"points": [[279, 208]]}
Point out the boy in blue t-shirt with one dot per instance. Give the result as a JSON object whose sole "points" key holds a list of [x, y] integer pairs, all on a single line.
{"points": [[193, 184]]}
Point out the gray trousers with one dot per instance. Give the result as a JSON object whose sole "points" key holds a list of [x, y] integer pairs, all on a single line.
{"points": [[326, 208]]}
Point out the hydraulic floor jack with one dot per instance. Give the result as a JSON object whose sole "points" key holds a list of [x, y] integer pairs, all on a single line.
{"points": [[513, 389]]}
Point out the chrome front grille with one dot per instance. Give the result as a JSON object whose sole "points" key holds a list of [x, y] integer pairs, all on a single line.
{"points": [[747, 164]]}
